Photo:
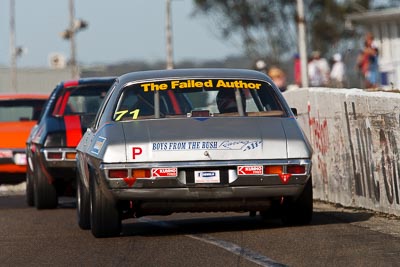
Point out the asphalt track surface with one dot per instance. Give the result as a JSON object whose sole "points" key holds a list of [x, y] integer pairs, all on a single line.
{"points": [[336, 237]]}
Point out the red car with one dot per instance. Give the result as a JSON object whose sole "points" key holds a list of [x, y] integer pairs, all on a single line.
{"points": [[18, 114]]}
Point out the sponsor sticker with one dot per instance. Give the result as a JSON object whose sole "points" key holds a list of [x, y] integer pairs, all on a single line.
{"points": [[164, 172], [6, 154], [98, 145], [249, 170], [198, 84], [243, 145], [206, 177]]}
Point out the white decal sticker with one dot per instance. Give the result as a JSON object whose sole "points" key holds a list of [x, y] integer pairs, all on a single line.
{"points": [[243, 145]]}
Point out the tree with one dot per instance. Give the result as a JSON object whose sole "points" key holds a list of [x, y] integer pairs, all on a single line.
{"points": [[260, 25], [268, 28]]}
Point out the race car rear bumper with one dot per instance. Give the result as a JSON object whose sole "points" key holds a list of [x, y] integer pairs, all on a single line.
{"points": [[232, 191], [192, 193], [59, 157], [12, 161], [169, 200]]}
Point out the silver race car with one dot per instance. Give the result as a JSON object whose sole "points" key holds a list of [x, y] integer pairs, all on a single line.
{"points": [[192, 140]]}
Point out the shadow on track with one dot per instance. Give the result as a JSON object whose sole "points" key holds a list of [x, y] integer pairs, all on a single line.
{"points": [[165, 226]]}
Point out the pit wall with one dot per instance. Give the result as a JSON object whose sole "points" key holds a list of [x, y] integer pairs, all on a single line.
{"points": [[356, 140]]}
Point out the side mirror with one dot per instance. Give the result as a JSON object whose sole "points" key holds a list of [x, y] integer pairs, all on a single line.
{"points": [[294, 110]]}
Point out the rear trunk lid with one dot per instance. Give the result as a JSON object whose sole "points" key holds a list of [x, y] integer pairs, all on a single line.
{"points": [[15, 134], [199, 139]]}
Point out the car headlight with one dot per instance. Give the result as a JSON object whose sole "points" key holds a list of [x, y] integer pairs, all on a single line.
{"points": [[55, 140]]}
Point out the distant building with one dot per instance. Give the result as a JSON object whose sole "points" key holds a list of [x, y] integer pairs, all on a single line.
{"points": [[385, 26], [33, 80]]}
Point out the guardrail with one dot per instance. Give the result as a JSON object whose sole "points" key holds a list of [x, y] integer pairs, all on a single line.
{"points": [[355, 135]]}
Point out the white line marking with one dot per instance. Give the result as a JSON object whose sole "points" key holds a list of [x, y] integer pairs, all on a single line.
{"points": [[231, 247]]}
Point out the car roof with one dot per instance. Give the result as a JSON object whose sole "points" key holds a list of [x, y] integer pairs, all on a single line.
{"points": [[16, 96], [195, 73], [88, 80]]}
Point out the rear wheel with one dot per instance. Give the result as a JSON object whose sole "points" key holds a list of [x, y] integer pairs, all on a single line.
{"points": [[83, 205], [30, 198], [299, 211], [45, 194], [105, 217]]}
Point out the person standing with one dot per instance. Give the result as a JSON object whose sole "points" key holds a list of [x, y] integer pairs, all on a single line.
{"points": [[297, 70], [337, 72], [318, 70], [278, 77], [367, 62]]}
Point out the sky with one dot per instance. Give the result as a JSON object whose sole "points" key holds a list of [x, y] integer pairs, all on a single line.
{"points": [[119, 30]]}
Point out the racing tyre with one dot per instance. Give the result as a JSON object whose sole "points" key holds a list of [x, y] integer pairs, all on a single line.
{"points": [[30, 198], [299, 211], [104, 216], [83, 205], [45, 193]]}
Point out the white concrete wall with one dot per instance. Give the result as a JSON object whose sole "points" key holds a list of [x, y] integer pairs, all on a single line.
{"points": [[356, 139]]}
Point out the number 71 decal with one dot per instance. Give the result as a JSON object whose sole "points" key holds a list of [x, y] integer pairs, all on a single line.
{"points": [[121, 113]]}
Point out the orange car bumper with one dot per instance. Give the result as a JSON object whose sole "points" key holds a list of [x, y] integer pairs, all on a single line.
{"points": [[12, 168]]}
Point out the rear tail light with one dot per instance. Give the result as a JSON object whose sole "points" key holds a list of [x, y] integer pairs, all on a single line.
{"points": [[277, 169], [118, 173], [273, 169], [54, 155], [296, 169], [129, 178], [141, 173], [70, 155], [284, 175], [124, 173]]}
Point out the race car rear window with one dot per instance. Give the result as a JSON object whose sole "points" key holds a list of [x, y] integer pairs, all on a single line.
{"points": [[80, 100], [210, 97], [20, 110]]}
